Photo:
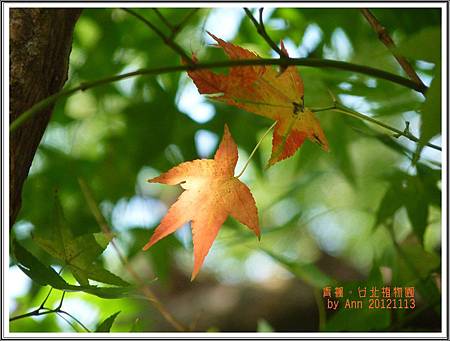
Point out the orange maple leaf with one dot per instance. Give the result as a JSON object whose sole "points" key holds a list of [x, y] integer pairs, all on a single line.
{"points": [[212, 192], [263, 91]]}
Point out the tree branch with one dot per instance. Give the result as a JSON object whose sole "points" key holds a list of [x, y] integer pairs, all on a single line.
{"points": [[148, 293], [168, 41], [260, 28], [386, 39], [311, 62]]}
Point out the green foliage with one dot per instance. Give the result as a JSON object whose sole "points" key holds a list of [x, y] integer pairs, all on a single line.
{"points": [[46, 275], [77, 253], [306, 272], [317, 210], [32, 267], [264, 327], [431, 112], [423, 46], [415, 193], [364, 319], [106, 325]]}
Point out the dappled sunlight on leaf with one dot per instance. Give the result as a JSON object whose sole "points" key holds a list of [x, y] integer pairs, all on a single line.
{"points": [[211, 194]]}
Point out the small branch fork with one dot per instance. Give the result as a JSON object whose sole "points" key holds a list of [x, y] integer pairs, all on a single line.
{"points": [[169, 41], [163, 19], [42, 310], [261, 29], [386, 39], [175, 29]]}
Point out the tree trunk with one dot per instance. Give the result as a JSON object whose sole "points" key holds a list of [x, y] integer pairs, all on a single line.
{"points": [[40, 43]]}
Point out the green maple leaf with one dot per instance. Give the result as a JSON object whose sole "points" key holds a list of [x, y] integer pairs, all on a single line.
{"points": [[79, 253]]}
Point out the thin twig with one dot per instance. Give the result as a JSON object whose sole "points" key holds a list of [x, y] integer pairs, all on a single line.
{"points": [[386, 39], [163, 18], [349, 112], [260, 28], [177, 28], [36, 312], [45, 299], [42, 310], [311, 62], [169, 42], [148, 293]]}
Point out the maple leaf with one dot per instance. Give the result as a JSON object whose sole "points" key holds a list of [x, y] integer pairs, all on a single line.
{"points": [[212, 192], [264, 91], [77, 253]]}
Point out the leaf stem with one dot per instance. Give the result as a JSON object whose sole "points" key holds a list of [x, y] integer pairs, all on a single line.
{"points": [[255, 149], [310, 62], [330, 107]]}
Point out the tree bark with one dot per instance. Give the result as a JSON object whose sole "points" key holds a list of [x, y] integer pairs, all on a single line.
{"points": [[40, 44]]}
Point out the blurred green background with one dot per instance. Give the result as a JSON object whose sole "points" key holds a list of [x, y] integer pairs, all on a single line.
{"points": [[328, 219]]}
